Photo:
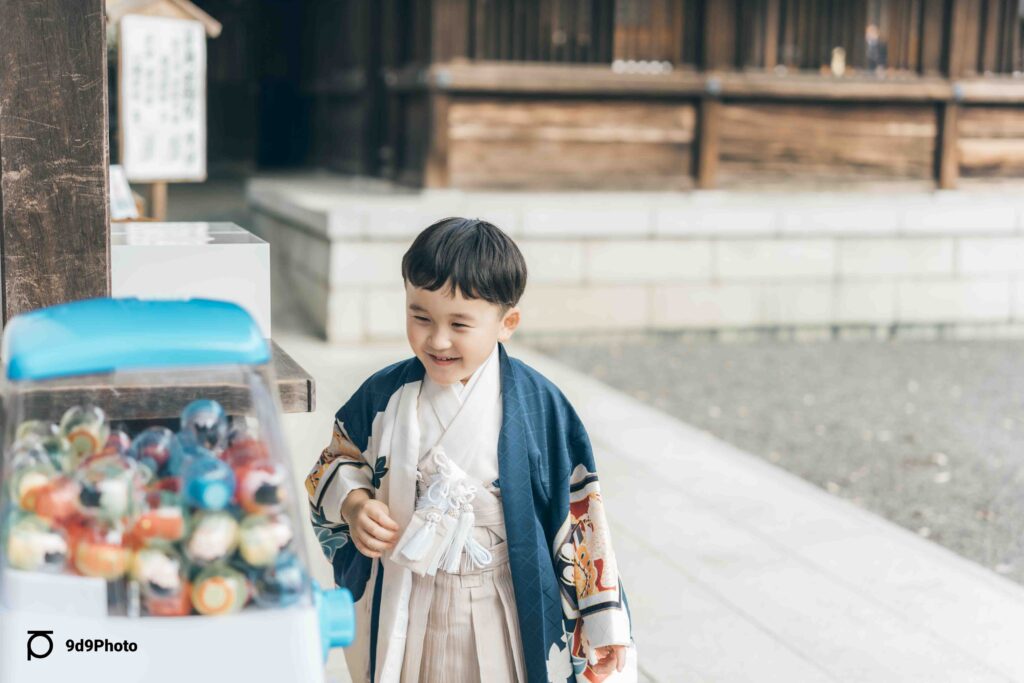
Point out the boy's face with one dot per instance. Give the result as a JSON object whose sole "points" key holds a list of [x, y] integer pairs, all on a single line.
{"points": [[452, 335]]}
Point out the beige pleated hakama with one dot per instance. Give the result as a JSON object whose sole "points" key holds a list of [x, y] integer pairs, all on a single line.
{"points": [[463, 628]]}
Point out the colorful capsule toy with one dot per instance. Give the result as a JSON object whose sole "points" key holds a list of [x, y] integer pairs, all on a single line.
{"points": [[86, 429], [214, 536], [58, 499], [207, 482], [262, 484], [203, 423], [153, 448], [219, 589], [100, 551], [34, 544], [281, 583], [50, 438], [160, 572], [261, 538], [112, 487], [32, 470]]}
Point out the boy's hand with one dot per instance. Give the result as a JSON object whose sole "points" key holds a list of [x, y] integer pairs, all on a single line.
{"points": [[370, 524], [608, 658]]}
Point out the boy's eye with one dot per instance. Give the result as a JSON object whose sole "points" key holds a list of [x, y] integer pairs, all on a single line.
{"points": [[421, 318], [459, 325]]}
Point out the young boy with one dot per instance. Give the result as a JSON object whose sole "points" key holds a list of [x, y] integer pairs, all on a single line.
{"points": [[458, 499]]}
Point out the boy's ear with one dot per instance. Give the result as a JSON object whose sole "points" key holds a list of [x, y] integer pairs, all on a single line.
{"points": [[509, 323]]}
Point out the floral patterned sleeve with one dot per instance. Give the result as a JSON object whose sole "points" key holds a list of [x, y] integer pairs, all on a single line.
{"points": [[588, 570], [340, 470]]}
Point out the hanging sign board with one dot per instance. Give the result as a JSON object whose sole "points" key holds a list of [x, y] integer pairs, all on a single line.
{"points": [[162, 99]]}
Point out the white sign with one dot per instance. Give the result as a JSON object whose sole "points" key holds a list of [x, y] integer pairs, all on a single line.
{"points": [[122, 203], [162, 99]]}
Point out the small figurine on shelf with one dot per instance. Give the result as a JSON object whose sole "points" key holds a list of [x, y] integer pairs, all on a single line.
{"points": [[204, 423]]}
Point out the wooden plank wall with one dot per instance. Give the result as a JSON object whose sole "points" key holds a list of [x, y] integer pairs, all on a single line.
{"points": [[565, 144], [54, 222], [991, 142], [425, 133], [768, 142]]}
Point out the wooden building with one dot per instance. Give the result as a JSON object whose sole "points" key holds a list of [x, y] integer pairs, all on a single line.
{"points": [[626, 94]]}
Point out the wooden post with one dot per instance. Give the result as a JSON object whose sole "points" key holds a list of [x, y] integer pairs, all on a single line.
{"points": [[436, 172], [158, 200], [948, 158], [771, 34], [960, 23], [54, 223], [719, 39], [707, 142]]}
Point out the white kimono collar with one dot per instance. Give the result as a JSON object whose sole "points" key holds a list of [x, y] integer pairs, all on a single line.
{"points": [[447, 400]]}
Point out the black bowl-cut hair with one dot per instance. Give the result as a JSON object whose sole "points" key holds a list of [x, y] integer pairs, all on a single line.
{"points": [[468, 256]]}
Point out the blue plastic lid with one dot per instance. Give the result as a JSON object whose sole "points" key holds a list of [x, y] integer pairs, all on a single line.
{"points": [[103, 335]]}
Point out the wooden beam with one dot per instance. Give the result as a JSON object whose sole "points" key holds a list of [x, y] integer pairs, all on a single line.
{"points": [[947, 157], [54, 223], [708, 122]]}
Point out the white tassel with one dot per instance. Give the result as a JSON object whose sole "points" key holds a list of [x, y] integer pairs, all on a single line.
{"points": [[446, 542], [478, 555], [453, 556], [421, 541]]}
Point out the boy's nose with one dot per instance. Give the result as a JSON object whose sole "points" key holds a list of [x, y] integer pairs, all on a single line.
{"points": [[439, 342]]}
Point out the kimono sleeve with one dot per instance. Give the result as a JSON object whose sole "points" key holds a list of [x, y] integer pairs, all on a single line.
{"points": [[584, 557], [341, 468]]}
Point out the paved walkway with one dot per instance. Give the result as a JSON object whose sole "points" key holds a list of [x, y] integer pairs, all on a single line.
{"points": [[736, 570]]}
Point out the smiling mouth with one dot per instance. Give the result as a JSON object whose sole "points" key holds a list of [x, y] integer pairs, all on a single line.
{"points": [[443, 359]]}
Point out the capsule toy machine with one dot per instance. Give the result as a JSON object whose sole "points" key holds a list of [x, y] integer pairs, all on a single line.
{"points": [[149, 526]]}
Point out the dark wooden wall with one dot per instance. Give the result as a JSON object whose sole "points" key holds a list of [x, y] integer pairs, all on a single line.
{"points": [[54, 236], [620, 93]]}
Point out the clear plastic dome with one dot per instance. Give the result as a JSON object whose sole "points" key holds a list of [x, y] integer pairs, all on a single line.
{"points": [[152, 501]]}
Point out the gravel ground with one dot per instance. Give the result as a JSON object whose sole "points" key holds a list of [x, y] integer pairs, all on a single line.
{"points": [[925, 433]]}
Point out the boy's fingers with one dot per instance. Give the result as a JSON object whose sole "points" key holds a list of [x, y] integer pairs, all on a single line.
{"points": [[620, 658], [378, 532], [363, 549], [379, 514]]}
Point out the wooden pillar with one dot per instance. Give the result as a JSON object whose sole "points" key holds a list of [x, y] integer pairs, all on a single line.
{"points": [[449, 30], [708, 121], [947, 156], [436, 172], [771, 34], [960, 21], [719, 39], [54, 223]]}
